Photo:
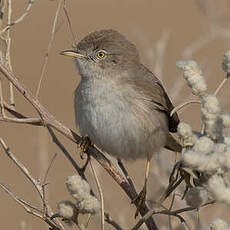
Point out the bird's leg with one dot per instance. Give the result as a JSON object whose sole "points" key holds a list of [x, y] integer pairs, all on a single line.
{"points": [[84, 145], [140, 199]]}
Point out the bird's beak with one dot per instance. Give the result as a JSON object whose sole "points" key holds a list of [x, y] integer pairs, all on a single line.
{"points": [[72, 53]]}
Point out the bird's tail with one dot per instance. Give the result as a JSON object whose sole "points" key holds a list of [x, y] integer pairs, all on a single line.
{"points": [[173, 144]]}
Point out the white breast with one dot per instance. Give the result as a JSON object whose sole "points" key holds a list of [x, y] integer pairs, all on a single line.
{"points": [[104, 114]]}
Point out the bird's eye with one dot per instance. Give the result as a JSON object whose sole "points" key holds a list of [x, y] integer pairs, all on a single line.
{"points": [[101, 54]]}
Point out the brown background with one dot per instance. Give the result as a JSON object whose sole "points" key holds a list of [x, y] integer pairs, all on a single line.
{"points": [[176, 24]]}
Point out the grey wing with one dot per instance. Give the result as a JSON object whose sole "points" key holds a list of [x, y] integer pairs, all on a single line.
{"points": [[156, 93]]}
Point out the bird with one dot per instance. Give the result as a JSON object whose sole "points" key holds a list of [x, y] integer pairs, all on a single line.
{"points": [[119, 103]]}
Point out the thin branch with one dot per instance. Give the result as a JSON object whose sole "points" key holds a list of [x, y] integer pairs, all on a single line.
{"points": [[122, 167], [179, 107], [220, 86], [32, 121], [45, 208], [28, 209], [49, 47], [100, 193], [63, 149], [30, 3], [49, 120], [7, 57], [70, 24], [19, 200], [167, 212], [22, 168], [109, 220], [49, 167]]}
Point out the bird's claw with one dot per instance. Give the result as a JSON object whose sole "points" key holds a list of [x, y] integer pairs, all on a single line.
{"points": [[84, 145]]}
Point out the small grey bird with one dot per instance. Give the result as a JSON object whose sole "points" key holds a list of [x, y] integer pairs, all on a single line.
{"points": [[120, 104]]}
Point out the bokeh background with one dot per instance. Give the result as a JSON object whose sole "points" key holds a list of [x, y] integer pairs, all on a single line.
{"points": [[164, 31]]}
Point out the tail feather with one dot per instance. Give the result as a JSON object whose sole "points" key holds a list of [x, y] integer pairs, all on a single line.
{"points": [[173, 144]]}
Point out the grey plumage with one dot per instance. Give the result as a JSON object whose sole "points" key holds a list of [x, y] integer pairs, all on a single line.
{"points": [[119, 103]]}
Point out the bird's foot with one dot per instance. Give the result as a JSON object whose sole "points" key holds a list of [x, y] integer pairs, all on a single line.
{"points": [[84, 145], [139, 201]]}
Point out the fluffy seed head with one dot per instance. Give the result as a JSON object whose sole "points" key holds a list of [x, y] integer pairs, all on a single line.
{"points": [[89, 205], [67, 209], [78, 187]]}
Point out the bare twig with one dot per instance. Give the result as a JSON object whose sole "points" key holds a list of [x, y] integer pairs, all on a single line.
{"points": [[19, 200], [100, 193], [61, 146], [22, 168], [28, 175], [32, 121], [49, 47], [179, 107], [8, 46], [28, 208], [49, 167], [168, 212], [122, 167], [30, 3], [70, 24], [109, 220], [220, 86]]}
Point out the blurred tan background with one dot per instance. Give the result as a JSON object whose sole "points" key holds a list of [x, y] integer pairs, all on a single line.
{"points": [[164, 31]]}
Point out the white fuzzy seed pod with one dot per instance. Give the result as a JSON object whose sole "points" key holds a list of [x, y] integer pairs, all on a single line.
{"points": [[210, 109], [218, 224], [185, 132], [225, 120], [193, 76], [203, 162], [194, 160], [226, 62], [78, 187], [196, 197], [89, 205], [204, 145], [67, 209], [218, 188]]}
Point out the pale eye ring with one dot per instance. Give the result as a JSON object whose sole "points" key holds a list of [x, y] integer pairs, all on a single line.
{"points": [[101, 54]]}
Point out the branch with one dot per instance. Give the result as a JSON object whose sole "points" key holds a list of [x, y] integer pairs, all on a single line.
{"points": [[30, 3], [49, 120]]}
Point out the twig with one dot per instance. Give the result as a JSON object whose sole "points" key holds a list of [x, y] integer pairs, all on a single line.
{"points": [[100, 193], [28, 209], [19, 200], [2, 111], [49, 47], [109, 220], [70, 24], [122, 167], [49, 120], [30, 3], [8, 46], [167, 212], [22, 168], [33, 121], [44, 184], [27, 174], [49, 167], [220, 86], [177, 108], [61, 146]]}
